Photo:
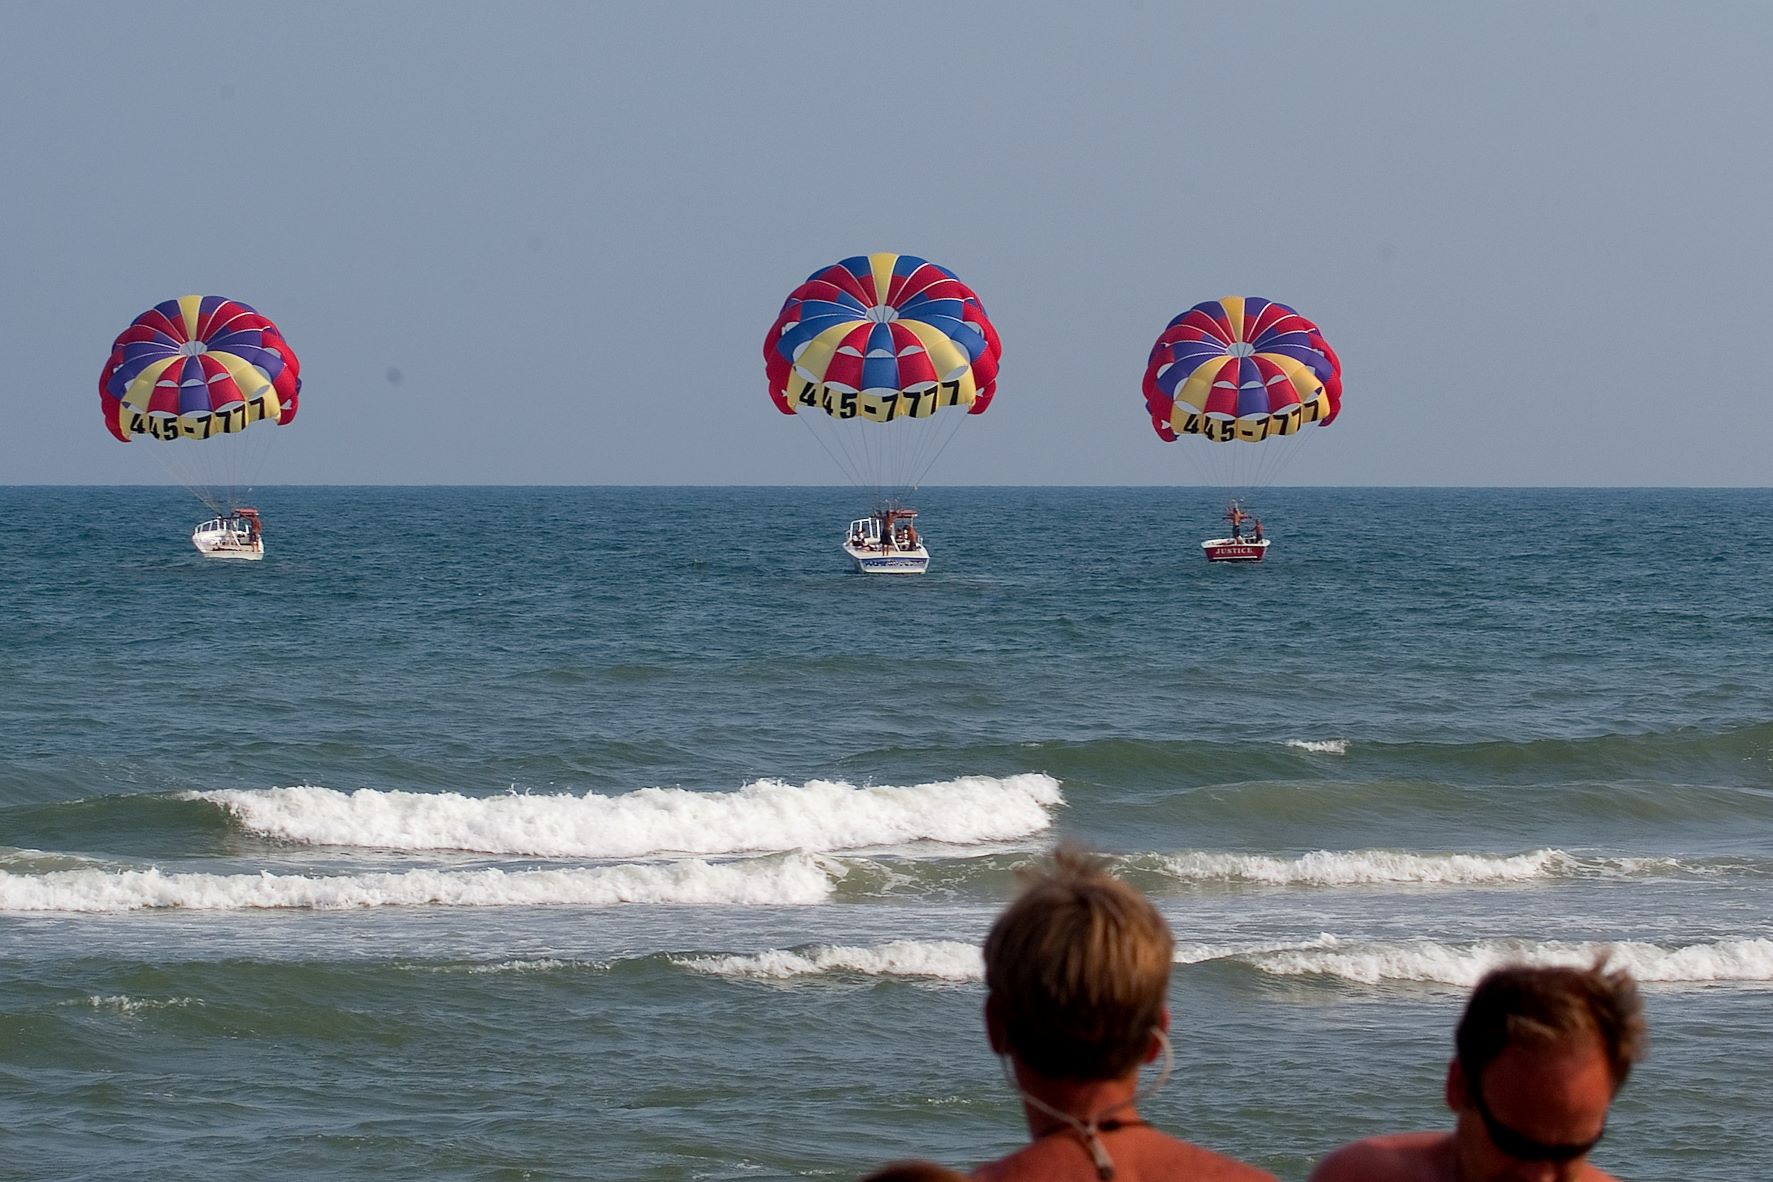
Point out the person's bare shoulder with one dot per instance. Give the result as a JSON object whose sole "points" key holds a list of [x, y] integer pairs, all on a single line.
{"points": [[991, 1171], [1137, 1158], [1216, 1167], [1401, 1157], [1004, 1169]]}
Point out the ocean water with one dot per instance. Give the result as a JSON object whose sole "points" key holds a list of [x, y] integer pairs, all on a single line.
{"points": [[621, 833]]}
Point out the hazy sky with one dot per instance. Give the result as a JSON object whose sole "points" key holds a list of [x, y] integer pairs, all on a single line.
{"points": [[1538, 233]]}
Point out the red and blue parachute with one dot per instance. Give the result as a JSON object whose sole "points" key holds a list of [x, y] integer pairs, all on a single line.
{"points": [[198, 367], [880, 337], [1241, 368], [879, 355]]}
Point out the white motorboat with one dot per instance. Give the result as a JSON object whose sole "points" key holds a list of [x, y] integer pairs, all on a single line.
{"points": [[237, 535], [886, 543]]}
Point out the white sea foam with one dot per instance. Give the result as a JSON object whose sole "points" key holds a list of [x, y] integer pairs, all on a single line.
{"points": [[540, 964], [545, 964], [765, 815], [1321, 746], [942, 960], [124, 1004], [1739, 961], [1349, 868], [795, 879]]}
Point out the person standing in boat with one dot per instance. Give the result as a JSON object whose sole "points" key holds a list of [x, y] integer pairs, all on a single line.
{"points": [[1256, 534], [1235, 515]]}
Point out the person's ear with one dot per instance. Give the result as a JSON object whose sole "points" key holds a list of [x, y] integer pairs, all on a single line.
{"points": [[1156, 1046], [994, 1027], [1457, 1100]]}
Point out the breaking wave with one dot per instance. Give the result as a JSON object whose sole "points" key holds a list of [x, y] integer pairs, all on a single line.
{"points": [[796, 879], [1320, 746], [1388, 867], [941, 960], [124, 1004], [1747, 961], [1726, 961], [768, 815]]}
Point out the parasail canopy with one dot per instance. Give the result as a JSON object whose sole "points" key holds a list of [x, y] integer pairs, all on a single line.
{"points": [[1241, 368], [869, 350], [881, 336], [196, 368], [210, 374]]}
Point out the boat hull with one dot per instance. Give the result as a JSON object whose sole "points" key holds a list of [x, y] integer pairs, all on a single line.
{"points": [[240, 553], [228, 543], [1234, 549], [871, 561]]}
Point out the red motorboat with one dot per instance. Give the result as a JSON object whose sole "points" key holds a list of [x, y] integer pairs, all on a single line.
{"points": [[1239, 547], [1234, 549]]}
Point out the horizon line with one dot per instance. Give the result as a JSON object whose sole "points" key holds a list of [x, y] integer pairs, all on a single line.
{"points": [[1219, 489]]}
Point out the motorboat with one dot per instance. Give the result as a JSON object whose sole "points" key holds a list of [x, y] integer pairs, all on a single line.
{"points": [[237, 535], [1235, 549], [1239, 547], [886, 543]]}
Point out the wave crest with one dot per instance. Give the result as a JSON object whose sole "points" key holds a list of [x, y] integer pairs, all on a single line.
{"points": [[768, 815], [124, 1004], [796, 879], [1320, 746], [1748, 961], [942, 960], [1351, 868]]}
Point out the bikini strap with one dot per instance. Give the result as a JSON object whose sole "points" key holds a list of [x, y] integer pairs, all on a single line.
{"points": [[1089, 1132]]}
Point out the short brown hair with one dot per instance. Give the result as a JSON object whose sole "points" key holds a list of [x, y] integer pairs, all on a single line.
{"points": [[1550, 1005], [1078, 967]]}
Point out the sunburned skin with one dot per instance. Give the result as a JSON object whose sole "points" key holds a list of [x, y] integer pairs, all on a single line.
{"points": [[1547, 1107], [1090, 1131]]}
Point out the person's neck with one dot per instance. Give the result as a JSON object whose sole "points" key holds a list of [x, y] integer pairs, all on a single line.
{"points": [[1084, 1100]]}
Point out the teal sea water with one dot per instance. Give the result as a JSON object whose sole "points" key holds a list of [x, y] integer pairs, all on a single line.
{"points": [[621, 833]]}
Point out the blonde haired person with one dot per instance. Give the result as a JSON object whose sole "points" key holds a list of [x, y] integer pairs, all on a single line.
{"points": [[1077, 970], [1538, 1057]]}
